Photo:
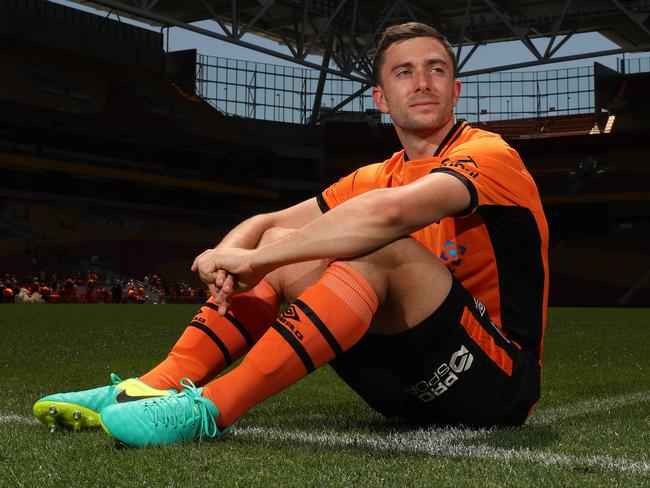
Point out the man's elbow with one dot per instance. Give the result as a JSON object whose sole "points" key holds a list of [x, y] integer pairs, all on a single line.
{"points": [[388, 211]]}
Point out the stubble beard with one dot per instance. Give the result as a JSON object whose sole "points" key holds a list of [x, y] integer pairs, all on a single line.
{"points": [[423, 125]]}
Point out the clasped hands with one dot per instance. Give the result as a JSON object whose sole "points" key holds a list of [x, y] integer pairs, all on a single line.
{"points": [[227, 271]]}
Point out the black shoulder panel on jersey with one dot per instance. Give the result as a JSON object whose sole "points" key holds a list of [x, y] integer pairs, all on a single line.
{"points": [[322, 204], [517, 248], [473, 195]]}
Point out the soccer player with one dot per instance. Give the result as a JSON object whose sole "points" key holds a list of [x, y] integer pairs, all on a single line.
{"points": [[422, 280]]}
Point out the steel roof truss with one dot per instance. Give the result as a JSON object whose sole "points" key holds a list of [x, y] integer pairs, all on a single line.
{"points": [[461, 39], [216, 18], [256, 18], [556, 29], [168, 21], [518, 31], [235, 18], [469, 55], [323, 29], [561, 59], [631, 16], [370, 41]]}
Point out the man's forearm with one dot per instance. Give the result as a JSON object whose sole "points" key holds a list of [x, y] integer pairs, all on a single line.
{"points": [[356, 227], [247, 234]]}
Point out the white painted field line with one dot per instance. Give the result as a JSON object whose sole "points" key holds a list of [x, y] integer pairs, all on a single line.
{"points": [[587, 407], [17, 419], [438, 442]]}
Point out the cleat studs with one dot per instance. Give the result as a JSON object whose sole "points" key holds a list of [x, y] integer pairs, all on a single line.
{"points": [[52, 410], [76, 415]]}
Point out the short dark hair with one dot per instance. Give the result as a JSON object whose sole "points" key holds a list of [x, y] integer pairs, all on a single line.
{"points": [[402, 32]]}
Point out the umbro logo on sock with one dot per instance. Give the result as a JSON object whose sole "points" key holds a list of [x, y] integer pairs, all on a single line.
{"points": [[292, 313]]}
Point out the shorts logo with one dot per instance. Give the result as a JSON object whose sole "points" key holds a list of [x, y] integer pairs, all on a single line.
{"points": [[461, 360], [479, 306], [452, 253], [443, 378]]}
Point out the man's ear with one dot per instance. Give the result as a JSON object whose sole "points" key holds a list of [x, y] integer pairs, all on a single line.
{"points": [[380, 100], [457, 86]]}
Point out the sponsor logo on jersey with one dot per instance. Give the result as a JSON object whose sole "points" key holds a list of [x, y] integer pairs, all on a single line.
{"points": [[464, 164], [453, 253]]}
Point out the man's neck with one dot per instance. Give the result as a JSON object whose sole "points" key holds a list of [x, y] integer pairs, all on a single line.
{"points": [[423, 145]]}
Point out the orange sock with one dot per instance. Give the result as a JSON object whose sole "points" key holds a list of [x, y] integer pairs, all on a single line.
{"points": [[327, 319], [211, 343]]}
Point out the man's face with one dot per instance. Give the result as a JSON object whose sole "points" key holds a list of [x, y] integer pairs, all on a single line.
{"points": [[418, 88]]}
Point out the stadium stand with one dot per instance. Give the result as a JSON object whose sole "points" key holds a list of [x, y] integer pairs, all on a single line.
{"points": [[110, 163]]}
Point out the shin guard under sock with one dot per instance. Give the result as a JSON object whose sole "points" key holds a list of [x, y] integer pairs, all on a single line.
{"points": [[326, 320], [211, 343]]}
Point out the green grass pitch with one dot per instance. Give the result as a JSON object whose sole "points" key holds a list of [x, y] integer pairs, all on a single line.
{"points": [[592, 427]]}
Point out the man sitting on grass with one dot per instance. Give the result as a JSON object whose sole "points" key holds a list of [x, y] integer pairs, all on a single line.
{"points": [[422, 280]]}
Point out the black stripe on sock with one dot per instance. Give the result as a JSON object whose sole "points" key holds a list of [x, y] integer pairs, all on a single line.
{"points": [[288, 336], [212, 306], [322, 328], [215, 339], [242, 330]]}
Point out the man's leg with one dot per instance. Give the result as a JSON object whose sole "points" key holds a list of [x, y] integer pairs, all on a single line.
{"points": [[207, 347], [212, 342], [325, 320], [330, 317]]}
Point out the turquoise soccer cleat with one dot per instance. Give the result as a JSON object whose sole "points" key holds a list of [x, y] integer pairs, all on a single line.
{"points": [[80, 409], [163, 421]]}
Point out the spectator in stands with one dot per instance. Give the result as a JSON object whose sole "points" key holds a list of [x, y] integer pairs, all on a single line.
{"points": [[7, 294]]}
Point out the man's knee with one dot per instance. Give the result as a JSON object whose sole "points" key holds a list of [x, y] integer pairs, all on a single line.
{"points": [[410, 281]]}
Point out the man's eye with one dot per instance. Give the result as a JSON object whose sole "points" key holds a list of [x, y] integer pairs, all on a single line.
{"points": [[437, 69], [403, 73]]}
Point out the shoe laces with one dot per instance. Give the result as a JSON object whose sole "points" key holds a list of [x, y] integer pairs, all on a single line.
{"points": [[115, 379], [173, 411]]}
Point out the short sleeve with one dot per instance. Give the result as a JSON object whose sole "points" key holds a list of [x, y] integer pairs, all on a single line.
{"points": [[356, 183], [492, 171]]}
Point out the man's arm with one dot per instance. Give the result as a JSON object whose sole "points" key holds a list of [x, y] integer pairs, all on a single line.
{"points": [[247, 235], [356, 227], [368, 222]]}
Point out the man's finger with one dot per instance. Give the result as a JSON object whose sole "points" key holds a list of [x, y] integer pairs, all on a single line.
{"points": [[228, 284], [221, 277]]}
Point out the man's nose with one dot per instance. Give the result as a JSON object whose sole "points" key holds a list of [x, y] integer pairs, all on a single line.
{"points": [[423, 80]]}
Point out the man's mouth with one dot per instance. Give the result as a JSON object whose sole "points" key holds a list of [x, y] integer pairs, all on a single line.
{"points": [[424, 103]]}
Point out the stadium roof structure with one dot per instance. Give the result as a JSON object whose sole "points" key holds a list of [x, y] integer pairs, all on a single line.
{"points": [[344, 32]]}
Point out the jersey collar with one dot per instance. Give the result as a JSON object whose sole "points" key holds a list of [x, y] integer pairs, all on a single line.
{"points": [[449, 139]]}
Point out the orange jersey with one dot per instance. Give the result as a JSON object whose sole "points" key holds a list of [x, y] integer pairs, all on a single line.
{"points": [[498, 247]]}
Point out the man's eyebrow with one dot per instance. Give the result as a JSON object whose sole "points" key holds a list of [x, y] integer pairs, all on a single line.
{"points": [[429, 62]]}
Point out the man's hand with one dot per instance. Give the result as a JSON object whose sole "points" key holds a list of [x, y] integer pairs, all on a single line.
{"points": [[226, 271]]}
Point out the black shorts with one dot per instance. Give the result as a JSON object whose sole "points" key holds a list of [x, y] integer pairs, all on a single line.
{"points": [[455, 368]]}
